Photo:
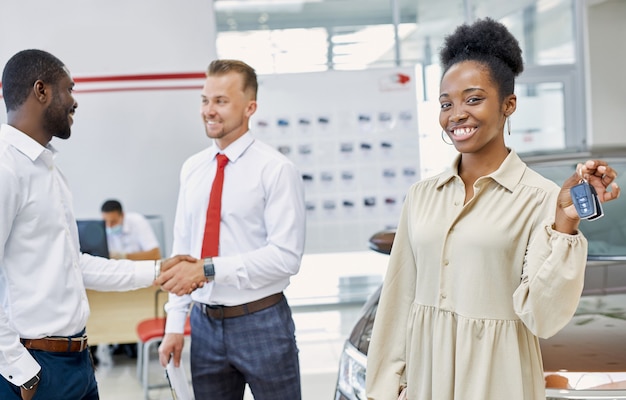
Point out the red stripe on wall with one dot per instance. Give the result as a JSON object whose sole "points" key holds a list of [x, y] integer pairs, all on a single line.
{"points": [[138, 77], [138, 88]]}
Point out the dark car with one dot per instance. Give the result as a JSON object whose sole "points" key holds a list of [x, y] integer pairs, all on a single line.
{"points": [[587, 358]]}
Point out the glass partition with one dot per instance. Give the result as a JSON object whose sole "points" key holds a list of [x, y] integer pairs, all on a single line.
{"points": [[538, 123], [314, 35], [544, 28]]}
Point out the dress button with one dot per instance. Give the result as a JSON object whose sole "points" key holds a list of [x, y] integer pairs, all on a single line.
{"points": [[445, 263], [443, 296]]}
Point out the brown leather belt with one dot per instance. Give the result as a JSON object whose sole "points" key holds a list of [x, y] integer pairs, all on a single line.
{"points": [[57, 344], [221, 312]]}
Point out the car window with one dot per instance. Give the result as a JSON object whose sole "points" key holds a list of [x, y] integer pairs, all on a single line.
{"points": [[607, 235]]}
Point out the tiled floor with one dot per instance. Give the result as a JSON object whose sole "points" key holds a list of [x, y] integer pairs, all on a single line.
{"points": [[326, 297], [320, 336]]}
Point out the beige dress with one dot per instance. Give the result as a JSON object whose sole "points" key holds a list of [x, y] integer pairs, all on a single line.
{"points": [[470, 287]]}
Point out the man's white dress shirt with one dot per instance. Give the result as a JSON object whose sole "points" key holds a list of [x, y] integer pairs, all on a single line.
{"points": [[43, 275], [262, 228]]}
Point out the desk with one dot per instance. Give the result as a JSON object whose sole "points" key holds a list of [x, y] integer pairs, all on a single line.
{"points": [[115, 315]]}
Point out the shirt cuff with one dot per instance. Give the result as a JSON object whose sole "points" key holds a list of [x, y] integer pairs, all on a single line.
{"points": [[573, 237], [175, 322], [19, 372], [144, 273], [229, 271]]}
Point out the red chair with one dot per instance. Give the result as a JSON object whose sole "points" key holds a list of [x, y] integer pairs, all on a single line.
{"points": [[150, 332]]}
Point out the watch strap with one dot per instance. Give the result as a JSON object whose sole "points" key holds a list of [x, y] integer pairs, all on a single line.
{"points": [[209, 268], [31, 383]]}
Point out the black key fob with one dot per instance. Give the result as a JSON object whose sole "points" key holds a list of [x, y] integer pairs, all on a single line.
{"points": [[598, 204], [586, 201]]}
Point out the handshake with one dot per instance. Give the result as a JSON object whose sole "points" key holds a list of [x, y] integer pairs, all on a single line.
{"points": [[180, 274]]}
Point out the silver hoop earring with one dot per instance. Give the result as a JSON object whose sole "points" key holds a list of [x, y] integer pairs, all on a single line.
{"points": [[508, 124], [443, 137]]}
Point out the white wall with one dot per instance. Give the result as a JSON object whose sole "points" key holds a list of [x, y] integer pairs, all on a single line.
{"points": [[112, 36], [125, 144], [607, 57]]}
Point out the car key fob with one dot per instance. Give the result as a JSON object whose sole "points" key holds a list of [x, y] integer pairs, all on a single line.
{"points": [[586, 201], [598, 204]]}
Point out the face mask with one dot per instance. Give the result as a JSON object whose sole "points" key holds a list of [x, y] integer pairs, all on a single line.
{"points": [[114, 230]]}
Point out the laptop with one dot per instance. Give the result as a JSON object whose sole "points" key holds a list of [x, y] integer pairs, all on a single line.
{"points": [[92, 237]]}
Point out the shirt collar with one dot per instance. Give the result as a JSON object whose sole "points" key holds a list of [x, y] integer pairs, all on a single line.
{"points": [[507, 175], [235, 149], [125, 226], [24, 143]]}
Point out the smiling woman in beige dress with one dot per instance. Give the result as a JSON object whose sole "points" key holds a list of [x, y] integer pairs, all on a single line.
{"points": [[487, 256]]}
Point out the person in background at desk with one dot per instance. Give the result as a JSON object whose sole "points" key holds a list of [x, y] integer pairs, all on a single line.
{"points": [[242, 330], [43, 275], [129, 234]]}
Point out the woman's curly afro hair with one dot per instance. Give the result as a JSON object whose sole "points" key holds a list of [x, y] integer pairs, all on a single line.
{"points": [[489, 43]]}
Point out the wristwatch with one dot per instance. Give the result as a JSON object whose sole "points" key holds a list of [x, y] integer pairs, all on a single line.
{"points": [[30, 384], [209, 268]]}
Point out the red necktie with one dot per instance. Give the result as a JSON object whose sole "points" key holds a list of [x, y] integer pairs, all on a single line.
{"points": [[210, 244]]}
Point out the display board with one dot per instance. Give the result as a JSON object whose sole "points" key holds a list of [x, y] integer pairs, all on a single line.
{"points": [[354, 137]]}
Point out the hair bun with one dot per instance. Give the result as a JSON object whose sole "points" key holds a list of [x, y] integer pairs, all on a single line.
{"points": [[483, 39]]}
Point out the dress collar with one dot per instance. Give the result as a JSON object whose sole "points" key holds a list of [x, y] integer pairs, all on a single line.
{"points": [[507, 175]]}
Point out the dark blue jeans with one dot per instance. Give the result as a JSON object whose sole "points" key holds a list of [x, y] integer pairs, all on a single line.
{"points": [[64, 376], [258, 349]]}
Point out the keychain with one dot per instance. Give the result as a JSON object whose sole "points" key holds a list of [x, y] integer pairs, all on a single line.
{"points": [[586, 200]]}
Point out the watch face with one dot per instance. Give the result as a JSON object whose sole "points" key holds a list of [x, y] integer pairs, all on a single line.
{"points": [[31, 383], [209, 269]]}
